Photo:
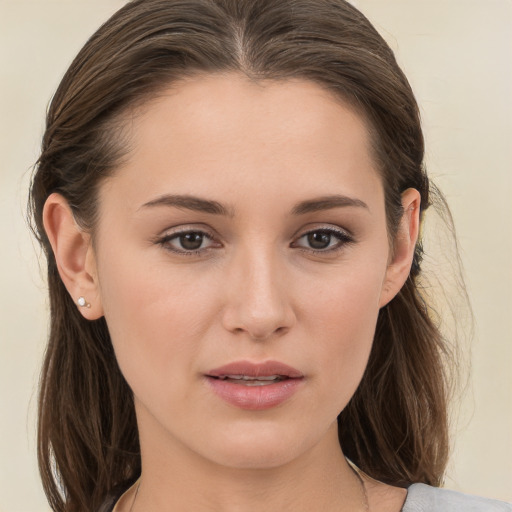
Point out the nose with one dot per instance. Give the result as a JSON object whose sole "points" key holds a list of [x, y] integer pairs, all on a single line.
{"points": [[258, 299]]}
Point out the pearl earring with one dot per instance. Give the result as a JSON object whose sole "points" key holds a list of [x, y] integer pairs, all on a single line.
{"points": [[83, 303]]}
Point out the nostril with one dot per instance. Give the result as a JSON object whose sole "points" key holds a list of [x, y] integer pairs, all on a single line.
{"points": [[257, 316]]}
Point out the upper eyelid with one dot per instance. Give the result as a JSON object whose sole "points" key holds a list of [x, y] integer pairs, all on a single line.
{"points": [[178, 230], [322, 227], [330, 229]]}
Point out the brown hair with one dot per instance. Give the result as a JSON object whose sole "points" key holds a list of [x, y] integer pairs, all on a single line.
{"points": [[395, 426]]}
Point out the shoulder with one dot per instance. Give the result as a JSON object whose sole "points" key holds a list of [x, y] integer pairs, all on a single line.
{"points": [[424, 498]]}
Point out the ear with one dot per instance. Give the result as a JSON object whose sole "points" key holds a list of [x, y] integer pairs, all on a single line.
{"points": [[74, 255], [404, 245]]}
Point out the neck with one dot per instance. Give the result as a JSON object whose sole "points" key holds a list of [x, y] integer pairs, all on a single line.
{"points": [[319, 479]]}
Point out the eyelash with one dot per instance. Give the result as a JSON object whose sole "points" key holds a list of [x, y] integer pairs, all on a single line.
{"points": [[166, 240], [342, 236]]}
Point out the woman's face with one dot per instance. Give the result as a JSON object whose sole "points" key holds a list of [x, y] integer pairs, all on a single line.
{"points": [[246, 228]]}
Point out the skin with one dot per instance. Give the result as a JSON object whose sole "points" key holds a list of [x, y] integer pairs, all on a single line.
{"points": [[256, 289]]}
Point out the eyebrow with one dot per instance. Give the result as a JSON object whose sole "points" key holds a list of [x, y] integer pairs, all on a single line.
{"points": [[327, 203], [188, 202]]}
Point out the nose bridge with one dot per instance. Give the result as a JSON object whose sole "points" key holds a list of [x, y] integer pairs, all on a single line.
{"points": [[258, 299]]}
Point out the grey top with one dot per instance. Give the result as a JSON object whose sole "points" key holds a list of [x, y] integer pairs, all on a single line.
{"points": [[420, 498], [423, 498]]}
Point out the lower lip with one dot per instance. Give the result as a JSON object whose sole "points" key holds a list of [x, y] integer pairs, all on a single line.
{"points": [[254, 398]]}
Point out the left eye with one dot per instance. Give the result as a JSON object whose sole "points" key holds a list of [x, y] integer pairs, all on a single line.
{"points": [[189, 241], [323, 240]]}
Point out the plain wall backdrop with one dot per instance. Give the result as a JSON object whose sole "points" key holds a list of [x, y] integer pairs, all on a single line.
{"points": [[458, 57]]}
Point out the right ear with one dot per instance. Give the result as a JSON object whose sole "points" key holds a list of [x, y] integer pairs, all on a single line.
{"points": [[72, 247]]}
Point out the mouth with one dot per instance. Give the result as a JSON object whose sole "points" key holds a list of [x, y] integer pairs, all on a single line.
{"points": [[247, 380], [255, 386]]}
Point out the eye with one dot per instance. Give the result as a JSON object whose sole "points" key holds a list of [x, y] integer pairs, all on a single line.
{"points": [[323, 240], [188, 242]]}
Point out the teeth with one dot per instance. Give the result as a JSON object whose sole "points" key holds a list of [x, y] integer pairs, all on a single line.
{"points": [[254, 381], [258, 382]]}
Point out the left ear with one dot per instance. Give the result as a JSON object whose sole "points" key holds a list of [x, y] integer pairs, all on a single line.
{"points": [[404, 245]]}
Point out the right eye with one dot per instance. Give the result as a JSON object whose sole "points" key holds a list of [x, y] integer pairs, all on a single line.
{"points": [[188, 242]]}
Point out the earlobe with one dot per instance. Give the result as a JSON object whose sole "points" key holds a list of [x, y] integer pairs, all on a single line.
{"points": [[403, 247], [74, 255]]}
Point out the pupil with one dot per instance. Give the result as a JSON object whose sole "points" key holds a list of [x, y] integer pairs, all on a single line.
{"points": [[191, 241], [319, 240]]}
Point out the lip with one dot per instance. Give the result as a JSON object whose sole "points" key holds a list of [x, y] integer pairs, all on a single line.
{"points": [[255, 397], [251, 369]]}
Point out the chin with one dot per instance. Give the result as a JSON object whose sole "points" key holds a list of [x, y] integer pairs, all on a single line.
{"points": [[259, 447], [254, 456]]}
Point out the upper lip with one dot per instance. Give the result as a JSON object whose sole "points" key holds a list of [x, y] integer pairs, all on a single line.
{"points": [[250, 369]]}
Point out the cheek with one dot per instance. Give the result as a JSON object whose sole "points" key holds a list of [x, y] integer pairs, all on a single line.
{"points": [[157, 320], [345, 301], [342, 324]]}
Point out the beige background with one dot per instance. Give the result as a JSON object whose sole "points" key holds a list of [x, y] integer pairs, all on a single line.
{"points": [[458, 56]]}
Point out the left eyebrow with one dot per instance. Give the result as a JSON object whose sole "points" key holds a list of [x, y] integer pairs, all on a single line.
{"points": [[327, 203]]}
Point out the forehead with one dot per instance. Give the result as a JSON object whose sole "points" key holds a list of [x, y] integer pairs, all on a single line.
{"points": [[225, 132], [267, 110]]}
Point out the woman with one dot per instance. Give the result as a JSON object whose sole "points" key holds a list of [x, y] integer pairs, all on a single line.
{"points": [[229, 196]]}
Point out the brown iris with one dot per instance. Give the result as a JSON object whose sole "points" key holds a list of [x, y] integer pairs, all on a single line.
{"points": [[319, 239], [191, 241]]}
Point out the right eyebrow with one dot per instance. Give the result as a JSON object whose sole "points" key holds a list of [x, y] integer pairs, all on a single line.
{"points": [[188, 202]]}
